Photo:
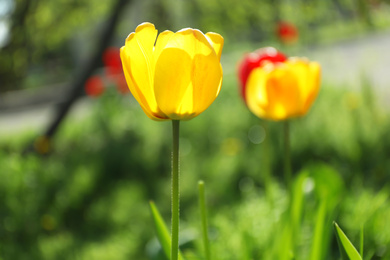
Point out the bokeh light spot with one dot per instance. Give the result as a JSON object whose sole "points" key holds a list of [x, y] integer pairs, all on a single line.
{"points": [[256, 134], [308, 185]]}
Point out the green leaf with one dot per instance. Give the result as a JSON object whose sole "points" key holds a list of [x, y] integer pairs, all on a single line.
{"points": [[347, 250], [162, 231]]}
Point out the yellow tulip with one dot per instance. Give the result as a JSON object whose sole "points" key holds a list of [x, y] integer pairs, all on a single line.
{"points": [[176, 76], [279, 91]]}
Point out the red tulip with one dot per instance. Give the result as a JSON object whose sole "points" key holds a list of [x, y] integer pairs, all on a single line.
{"points": [[257, 59]]}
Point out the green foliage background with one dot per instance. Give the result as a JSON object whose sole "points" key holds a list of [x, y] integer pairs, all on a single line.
{"points": [[88, 199]]}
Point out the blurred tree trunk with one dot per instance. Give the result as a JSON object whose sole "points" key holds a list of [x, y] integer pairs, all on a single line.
{"points": [[276, 10], [277, 17], [88, 68], [364, 12], [308, 8], [164, 15], [344, 12]]}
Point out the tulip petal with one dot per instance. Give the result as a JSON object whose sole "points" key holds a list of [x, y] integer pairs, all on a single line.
{"points": [[283, 90], [134, 90], [273, 92], [137, 57], [191, 41], [308, 76], [255, 93], [161, 42], [206, 72], [206, 81], [216, 41], [300, 68], [169, 74], [188, 75], [173, 83]]}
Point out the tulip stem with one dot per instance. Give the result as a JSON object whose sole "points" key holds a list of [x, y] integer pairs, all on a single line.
{"points": [[175, 198], [287, 156], [266, 163]]}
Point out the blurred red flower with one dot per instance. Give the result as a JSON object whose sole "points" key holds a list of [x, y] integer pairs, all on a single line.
{"points": [[112, 61], [94, 86], [287, 32], [113, 69], [256, 59]]}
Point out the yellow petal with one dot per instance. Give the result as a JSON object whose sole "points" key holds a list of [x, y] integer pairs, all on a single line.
{"points": [[255, 94], [206, 81], [187, 76], [191, 41], [161, 42], [172, 83], [283, 93], [273, 92], [308, 76], [300, 68], [217, 42], [137, 56], [206, 71], [134, 90]]}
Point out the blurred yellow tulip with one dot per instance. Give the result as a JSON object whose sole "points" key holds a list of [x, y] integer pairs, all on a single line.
{"points": [[283, 90], [175, 77]]}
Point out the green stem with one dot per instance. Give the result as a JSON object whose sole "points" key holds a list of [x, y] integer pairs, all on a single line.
{"points": [[202, 207], [287, 156], [267, 165], [175, 191]]}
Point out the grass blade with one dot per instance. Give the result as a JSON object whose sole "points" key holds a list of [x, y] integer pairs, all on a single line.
{"points": [[361, 240], [203, 214], [162, 231], [347, 250], [319, 233]]}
